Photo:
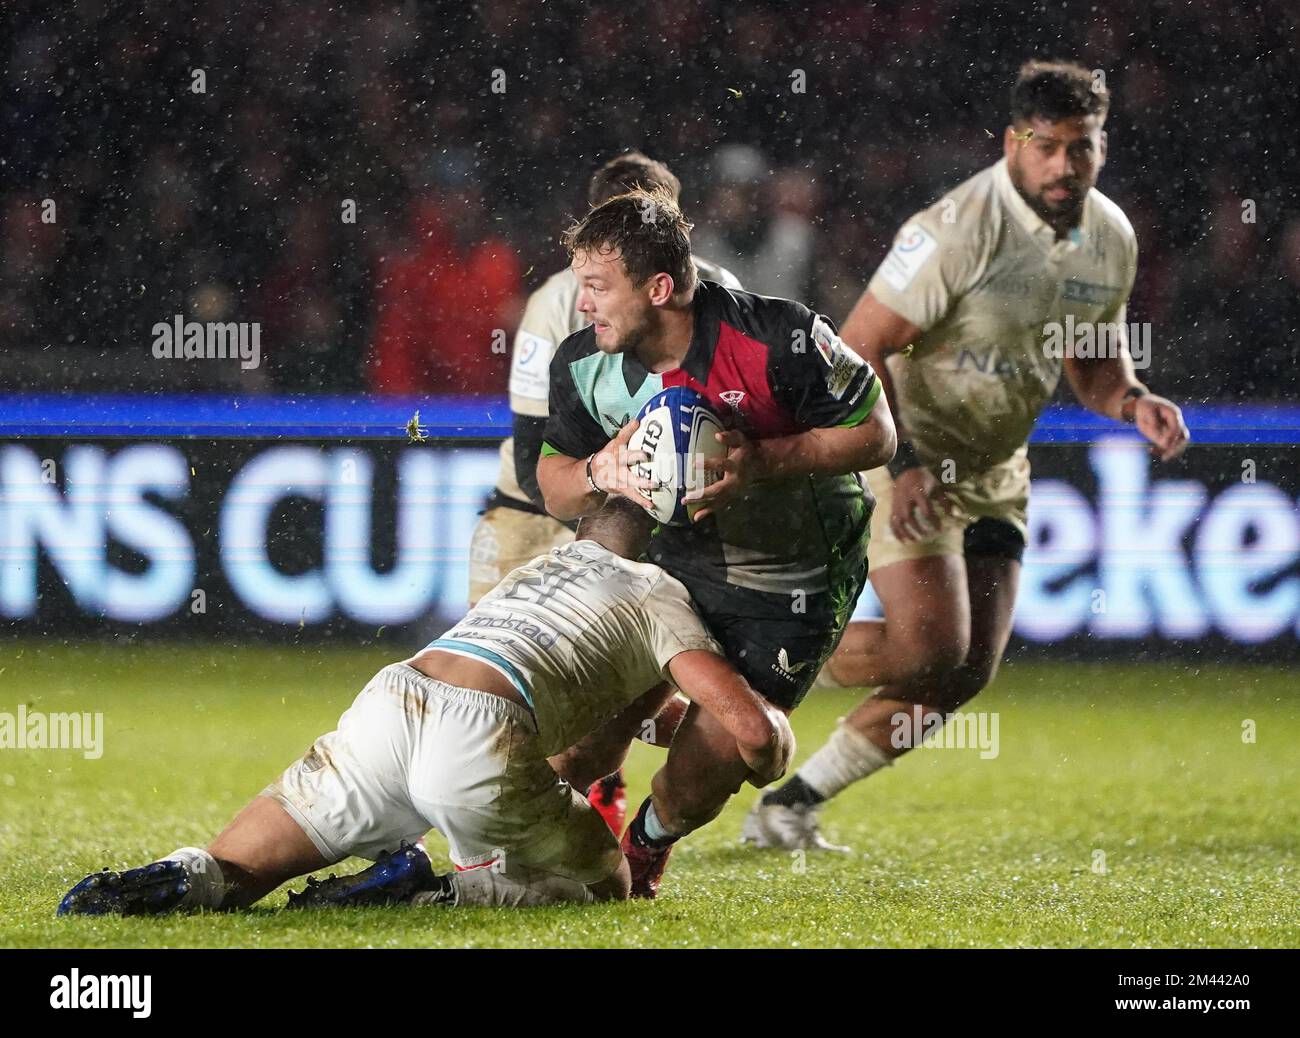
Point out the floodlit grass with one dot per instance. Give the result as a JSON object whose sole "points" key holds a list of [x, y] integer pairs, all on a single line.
{"points": [[1139, 769]]}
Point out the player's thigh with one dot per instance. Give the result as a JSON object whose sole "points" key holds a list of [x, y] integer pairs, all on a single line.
{"points": [[510, 807], [927, 609]]}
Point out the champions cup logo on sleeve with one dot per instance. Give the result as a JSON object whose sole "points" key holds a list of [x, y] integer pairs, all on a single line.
{"points": [[826, 341], [843, 362], [913, 246], [529, 375]]}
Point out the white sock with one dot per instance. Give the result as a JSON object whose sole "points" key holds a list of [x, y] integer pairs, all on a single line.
{"points": [[847, 756], [207, 884], [517, 889], [653, 827]]}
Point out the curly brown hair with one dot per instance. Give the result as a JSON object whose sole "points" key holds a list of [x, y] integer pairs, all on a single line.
{"points": [[646, 229]]}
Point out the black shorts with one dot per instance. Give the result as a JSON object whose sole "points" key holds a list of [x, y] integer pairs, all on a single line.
{"points": [[778, 642]]}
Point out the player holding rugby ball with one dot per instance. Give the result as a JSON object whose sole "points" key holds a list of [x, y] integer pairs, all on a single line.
{"points": [[774, 558]]}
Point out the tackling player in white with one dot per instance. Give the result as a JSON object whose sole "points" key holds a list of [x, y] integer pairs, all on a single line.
{"points": [[459, 739]]}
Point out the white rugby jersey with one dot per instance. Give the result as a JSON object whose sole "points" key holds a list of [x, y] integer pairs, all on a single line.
{"points": [[551, 316], [585, 632], [983, 276]]}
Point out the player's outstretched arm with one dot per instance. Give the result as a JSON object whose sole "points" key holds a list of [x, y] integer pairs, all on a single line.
{"points": [[763, 736], [1109, 386]]}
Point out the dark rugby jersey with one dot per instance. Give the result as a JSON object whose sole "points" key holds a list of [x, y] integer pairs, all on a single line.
{"points": [[770, 367]]}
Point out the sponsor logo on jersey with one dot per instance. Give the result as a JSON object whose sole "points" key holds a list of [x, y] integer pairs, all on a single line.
{"points": [[1074, 291], [785, 668], [986, 362], [520, 625], [845, 369]]}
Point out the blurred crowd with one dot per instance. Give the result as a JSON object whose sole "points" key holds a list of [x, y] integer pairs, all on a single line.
{"points": [[380, 185]]}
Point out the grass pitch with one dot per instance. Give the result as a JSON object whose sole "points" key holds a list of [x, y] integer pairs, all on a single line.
{"points": [[1124, 809]]}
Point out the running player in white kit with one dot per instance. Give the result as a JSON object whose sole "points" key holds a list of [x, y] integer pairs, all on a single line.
{"points": [[457, 739], [980, 286]]}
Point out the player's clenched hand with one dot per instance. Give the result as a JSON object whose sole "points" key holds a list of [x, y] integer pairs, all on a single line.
{"points": [[918, 501], [725, 478], [612, 467], [770, 763], [1161, 422]]}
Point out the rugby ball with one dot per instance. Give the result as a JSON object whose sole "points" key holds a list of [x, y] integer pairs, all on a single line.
{"points": [[678, 432]]}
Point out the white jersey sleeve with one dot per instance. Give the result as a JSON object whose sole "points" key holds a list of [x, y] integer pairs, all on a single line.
{"points": [[549, 318], [675, 626], [934, 261]]}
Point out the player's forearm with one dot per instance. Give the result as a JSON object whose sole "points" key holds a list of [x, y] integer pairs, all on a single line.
{"points": [[565, 490], [714, 685], [876, 355], [1101, 384], [830, 452], [876, 332]]}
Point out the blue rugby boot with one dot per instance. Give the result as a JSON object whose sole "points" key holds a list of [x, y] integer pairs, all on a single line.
{"points": [[149, 890], [394, 878]]}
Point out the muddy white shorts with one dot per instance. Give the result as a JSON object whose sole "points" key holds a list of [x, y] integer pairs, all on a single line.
{"points": [[413, 754]]}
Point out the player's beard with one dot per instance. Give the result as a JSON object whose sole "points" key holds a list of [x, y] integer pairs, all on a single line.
{"points": [[1063, 214], [634, 337]]}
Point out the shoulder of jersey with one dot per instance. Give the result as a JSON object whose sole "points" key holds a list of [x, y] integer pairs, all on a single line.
{"points": [[1113, 216], [710, 271], [766, 318], [556, 300], [577, 345], [969, 205]]}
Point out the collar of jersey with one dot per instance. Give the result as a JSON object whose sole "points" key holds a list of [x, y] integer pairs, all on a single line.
{"points": [[699, 354]]}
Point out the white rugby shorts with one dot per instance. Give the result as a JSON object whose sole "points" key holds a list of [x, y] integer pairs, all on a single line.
{"points": [[413, 754]]}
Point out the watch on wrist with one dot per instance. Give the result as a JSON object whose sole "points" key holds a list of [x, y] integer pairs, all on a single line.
{"points": [[905, 457], [1128, 408]]}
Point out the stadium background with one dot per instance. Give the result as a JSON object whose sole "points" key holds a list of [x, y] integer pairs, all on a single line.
{"points": [[216, 558], [464, 137]]}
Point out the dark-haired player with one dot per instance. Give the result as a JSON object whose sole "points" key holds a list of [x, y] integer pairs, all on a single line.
{"points": [[515, 526], [975, 284], [775, 558]]}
